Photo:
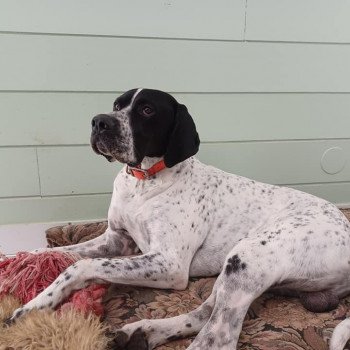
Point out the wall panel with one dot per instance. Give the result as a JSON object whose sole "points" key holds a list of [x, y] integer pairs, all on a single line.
{"points": [[51, 63], [155, 18], [53, 209], [299, 20], [64, 118], [77, 170], [18, 172]]}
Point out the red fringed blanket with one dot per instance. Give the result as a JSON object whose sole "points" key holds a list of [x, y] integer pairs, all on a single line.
{"points": [[27, 275]]}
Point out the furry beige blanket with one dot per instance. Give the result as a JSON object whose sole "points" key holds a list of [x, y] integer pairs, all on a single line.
{"points": [[48, 330]]}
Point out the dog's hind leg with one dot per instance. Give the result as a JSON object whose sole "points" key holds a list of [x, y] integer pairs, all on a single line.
{"points": [[241, 281], [218, 320]]}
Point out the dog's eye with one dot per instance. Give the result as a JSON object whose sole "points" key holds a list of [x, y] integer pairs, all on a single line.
{"points": [[117, 107], [147, 111]]}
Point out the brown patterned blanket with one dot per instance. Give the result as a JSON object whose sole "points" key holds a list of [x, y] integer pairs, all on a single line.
{"points": [[272, 322]]}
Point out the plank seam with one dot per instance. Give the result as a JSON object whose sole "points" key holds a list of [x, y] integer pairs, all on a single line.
{"points": [[181, 92], [315, 183], [245, 20], [38, 169], [55, 196], [219, 142], [111, 36]]}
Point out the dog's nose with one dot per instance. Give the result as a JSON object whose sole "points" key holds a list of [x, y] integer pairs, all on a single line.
{"points": [[102, 122]]}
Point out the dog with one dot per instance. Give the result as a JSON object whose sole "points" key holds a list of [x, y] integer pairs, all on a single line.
{"points": [[172, 217]]}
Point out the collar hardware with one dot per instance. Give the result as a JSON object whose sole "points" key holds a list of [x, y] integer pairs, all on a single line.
{"points": [[144, 174]]}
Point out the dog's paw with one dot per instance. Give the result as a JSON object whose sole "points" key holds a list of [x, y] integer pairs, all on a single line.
{"points": [[8, 322], [137, 341], [16, 315]]}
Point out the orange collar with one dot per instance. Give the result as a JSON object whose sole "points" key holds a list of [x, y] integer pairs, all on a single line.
{"points": [[143, 174]]}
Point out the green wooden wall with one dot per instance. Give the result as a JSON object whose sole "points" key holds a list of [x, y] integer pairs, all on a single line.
{"points": [[267, 81]]}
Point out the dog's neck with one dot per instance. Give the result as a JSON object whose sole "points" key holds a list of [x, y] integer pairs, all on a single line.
{"points": [[166, 174], [148, 162]]}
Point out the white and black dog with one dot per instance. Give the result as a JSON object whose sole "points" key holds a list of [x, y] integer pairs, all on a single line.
{"points": [[189, 219]]}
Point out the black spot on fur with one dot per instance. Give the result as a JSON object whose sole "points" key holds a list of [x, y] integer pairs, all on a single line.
{"points": [[201, 197], [234, 265], [210, 341], [137, 341]]}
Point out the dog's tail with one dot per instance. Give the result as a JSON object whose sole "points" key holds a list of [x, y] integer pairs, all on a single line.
{"points": [[340, 336]]}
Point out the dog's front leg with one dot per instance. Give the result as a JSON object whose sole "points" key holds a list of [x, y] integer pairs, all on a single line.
{"points": [[111, 243], [149, 270]]}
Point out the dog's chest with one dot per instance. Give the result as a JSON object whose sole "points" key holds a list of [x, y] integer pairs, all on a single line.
{"points": [[206, 203], [133, 208]]}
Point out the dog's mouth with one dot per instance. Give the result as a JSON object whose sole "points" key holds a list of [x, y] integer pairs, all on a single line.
{"points": [[110, 149], [99, 149]]}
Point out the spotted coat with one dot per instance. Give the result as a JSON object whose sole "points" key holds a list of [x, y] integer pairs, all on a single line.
{"points": [[193, 219]]}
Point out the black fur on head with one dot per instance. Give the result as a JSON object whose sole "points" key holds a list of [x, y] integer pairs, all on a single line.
{"points": [[145, 123]]}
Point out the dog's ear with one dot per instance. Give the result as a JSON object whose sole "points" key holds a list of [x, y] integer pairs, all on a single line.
{"points": [[184, 140]]}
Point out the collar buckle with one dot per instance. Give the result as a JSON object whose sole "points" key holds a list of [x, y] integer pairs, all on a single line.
{"points": [[141, 174]]}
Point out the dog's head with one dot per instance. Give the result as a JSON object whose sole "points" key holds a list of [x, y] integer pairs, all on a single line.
{"points": [[145, 122]]}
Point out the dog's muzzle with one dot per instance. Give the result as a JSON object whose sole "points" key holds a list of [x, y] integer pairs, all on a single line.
{"points": [[102, 123], [103, 134]]}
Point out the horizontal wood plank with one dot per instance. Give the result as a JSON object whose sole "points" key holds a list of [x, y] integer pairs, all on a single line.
{"points": [[77, 170], [156, 18], [19, 172], [337, 193], [299, 20], [285, 162], [64, 118], [254, 117], [49, 118], [52, 63], [54, 209]]}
